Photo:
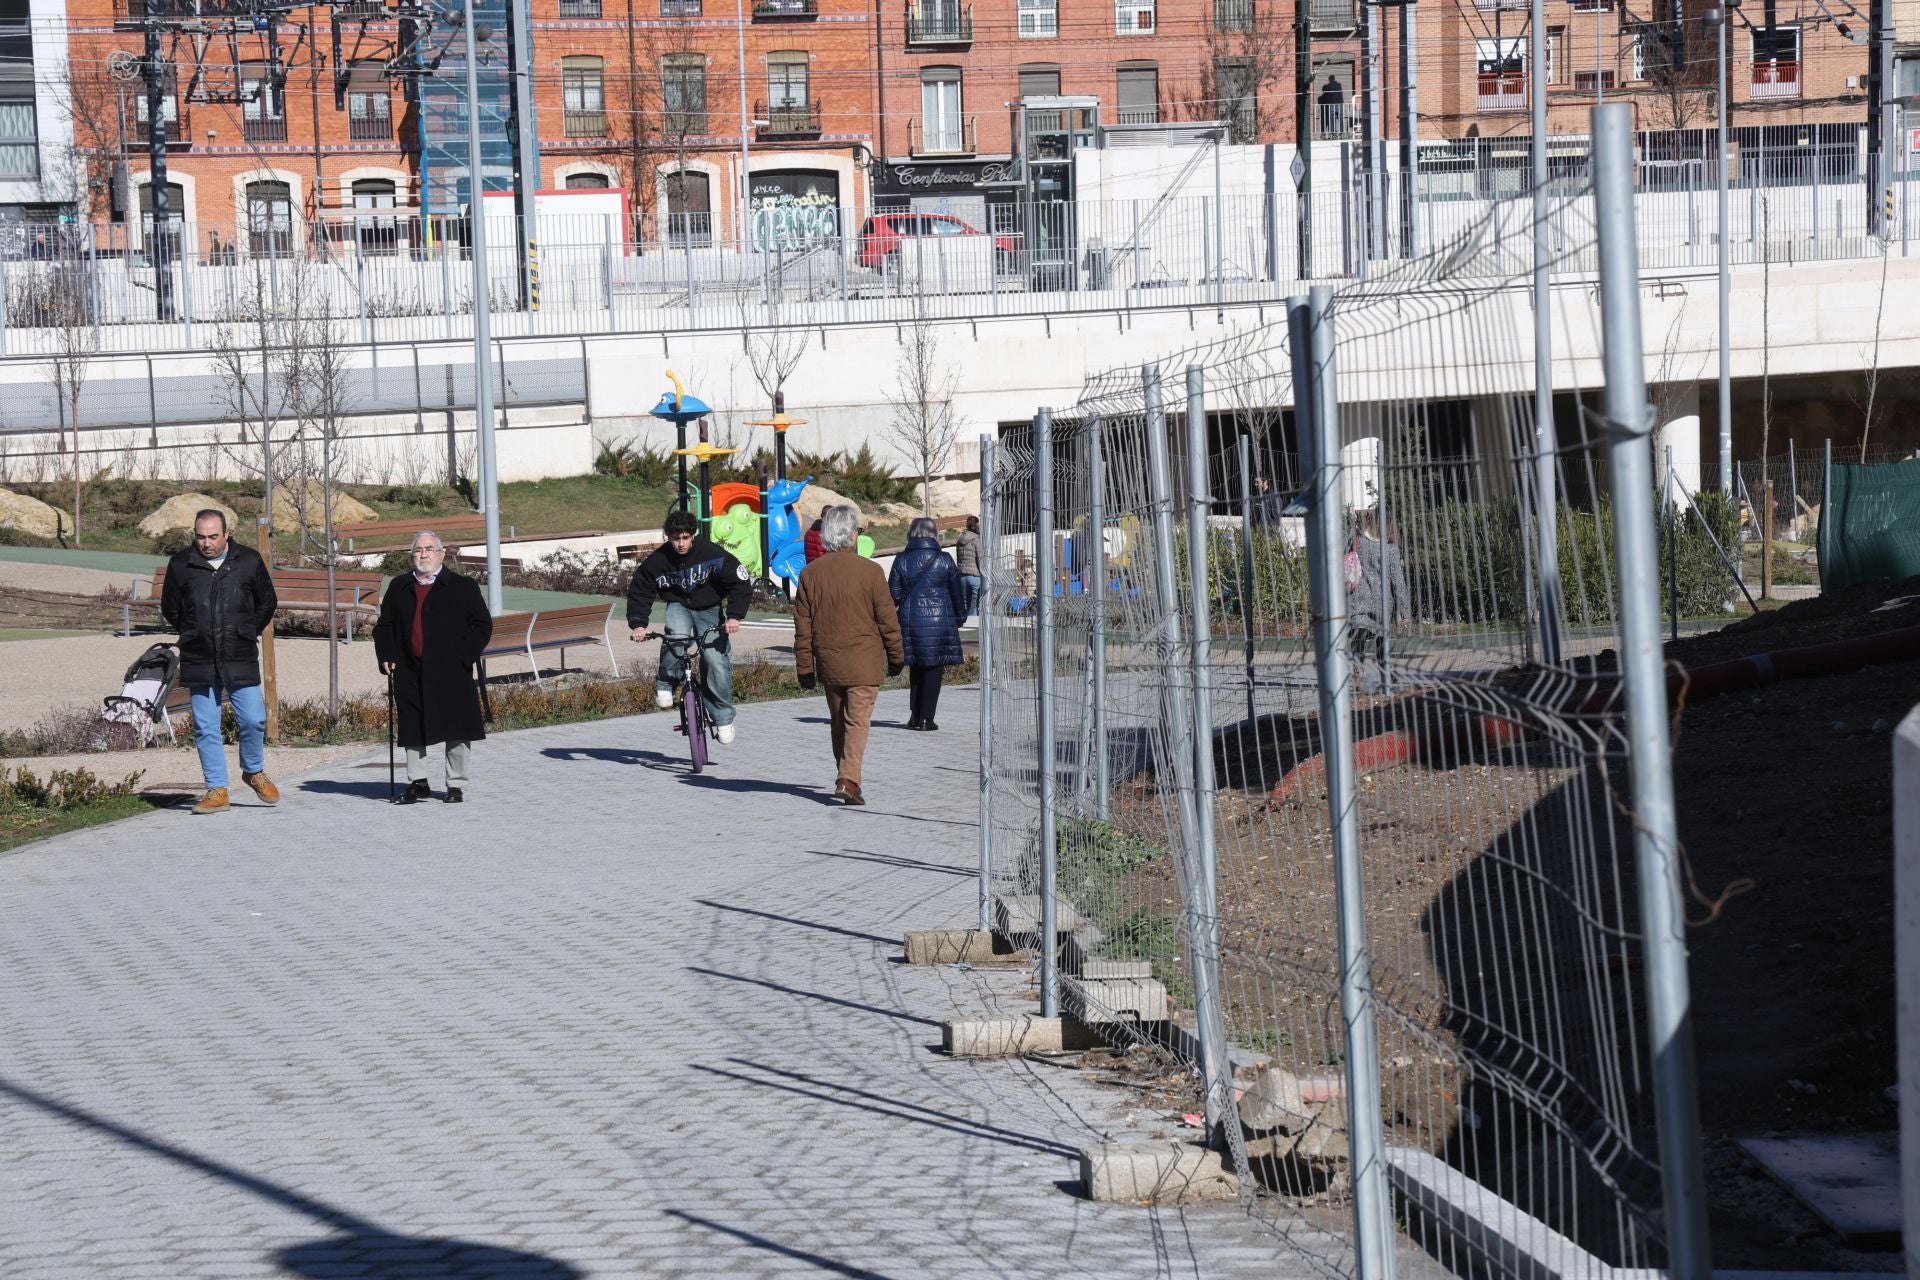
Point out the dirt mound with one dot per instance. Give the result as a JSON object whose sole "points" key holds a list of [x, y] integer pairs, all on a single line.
{"points": [[1865, 610]]}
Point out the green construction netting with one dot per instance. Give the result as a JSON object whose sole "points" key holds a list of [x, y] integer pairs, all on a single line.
{"points": [[1871, 527]]}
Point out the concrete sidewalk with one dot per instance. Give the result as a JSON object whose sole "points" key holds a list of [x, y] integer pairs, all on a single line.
{"points": [[605, 1019]]}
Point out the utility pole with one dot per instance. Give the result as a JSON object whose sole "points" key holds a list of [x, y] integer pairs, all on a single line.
{"points": [[1409, 131], [155, 72], [1303, 130], [1722, 18], [1879, 127], [482, 300], [523, 130]]}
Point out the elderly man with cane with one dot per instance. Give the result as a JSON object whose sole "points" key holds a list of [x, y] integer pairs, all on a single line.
{"points": [[433, 627], [846, 636]]}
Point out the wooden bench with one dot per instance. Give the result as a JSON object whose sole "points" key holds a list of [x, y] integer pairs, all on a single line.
{"points": [[356, 595], [529, 633], [348, 536]]}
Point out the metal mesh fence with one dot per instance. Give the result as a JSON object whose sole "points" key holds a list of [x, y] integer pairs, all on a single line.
{"points": [[1304, 706]]}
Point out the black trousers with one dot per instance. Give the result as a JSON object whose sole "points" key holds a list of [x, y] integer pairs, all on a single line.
{"points": [[923, 690]]}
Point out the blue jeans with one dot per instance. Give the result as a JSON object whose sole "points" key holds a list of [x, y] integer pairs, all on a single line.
{"points": [[716, 658], [250, 709], [971, 584]]}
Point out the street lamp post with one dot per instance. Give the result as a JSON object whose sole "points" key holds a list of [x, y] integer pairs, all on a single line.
{"points": [[746, 149], [482, 299]]}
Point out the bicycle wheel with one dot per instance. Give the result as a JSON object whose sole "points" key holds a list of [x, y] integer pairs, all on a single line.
{"points": [[692, 726]]}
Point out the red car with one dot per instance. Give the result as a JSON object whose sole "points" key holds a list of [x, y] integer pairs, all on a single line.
{"points": [[883, 237]]}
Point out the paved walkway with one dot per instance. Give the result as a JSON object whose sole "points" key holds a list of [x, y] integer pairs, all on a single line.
{"points": [[603, 1020]]}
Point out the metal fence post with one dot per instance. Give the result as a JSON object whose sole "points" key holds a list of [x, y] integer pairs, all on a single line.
{"points": [[360, 283], [989, 529], [1246, 562], [1630, 461], [1043, 652], [1203, 912], [1316, 406], [446, 280], [1097, 597], [1824, 548], [3, 305]]}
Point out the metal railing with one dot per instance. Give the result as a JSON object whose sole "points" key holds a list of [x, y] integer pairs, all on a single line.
{"points": [[773, 10], [370, 128], [579, 8], [1335, 15], [1137, 115], [936, 22], [1332, 121], [1233, 15], [1775, 79], [264, 129], [1504, 91], [948, 138], [788, 119], [585, 124]]}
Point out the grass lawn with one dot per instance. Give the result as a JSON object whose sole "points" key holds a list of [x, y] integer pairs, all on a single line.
{"points": [[18, 828]]}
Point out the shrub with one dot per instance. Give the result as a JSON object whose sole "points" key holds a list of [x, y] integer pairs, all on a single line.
{"points": [[63, 790], [859, 476], [632, 459], [602, 574], [172, 542]]}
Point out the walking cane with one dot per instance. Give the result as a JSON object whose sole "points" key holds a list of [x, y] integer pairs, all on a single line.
{"points": [[390, 766]]}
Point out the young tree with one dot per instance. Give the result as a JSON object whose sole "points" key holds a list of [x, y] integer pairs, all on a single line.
{"points": [[323, 391], [68, 311], [1867, 400], [923, 423]]}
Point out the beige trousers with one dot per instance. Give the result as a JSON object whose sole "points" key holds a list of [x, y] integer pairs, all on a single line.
{"points": [[850, 708]]}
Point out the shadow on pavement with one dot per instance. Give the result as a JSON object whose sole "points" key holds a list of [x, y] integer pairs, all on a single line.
{"points": [[364, 790], [358, 1248], [811, 995], [894, 860], [804, 924], [814, 1260], [879, 1104]]}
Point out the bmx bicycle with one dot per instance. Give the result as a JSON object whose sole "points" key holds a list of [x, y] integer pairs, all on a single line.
{"points": [[694, 720]]}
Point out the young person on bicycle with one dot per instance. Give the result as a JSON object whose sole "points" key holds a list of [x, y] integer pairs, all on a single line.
{"points": [[693, 578]]}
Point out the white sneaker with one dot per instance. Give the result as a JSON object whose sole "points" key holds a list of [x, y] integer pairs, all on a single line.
{"points": [[724, 733], [663, 699]]}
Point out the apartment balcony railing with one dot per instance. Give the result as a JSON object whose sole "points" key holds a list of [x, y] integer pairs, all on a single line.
{"points": [[264, 129], [579, 8], [376, 128], [785, 10], [1138, 115], [586, 124], [1503, 92], [680, 8], [1335, 15], [177, 130], [939, 24], [362, 9], [1332, 121], [946, 138], [1776, 79], [1233, 15], [789, 120]]}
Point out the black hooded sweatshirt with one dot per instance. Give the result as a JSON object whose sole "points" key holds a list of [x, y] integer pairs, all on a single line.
{"points": [[700, 579]]}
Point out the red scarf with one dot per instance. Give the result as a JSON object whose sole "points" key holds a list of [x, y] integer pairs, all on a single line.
{"points": [[417, 641]]}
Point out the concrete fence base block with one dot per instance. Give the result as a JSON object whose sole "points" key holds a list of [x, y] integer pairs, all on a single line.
{"points": [[1117, 1000], [1018, 915], [1156, 1172], [1010, 1036], [949, 946]]}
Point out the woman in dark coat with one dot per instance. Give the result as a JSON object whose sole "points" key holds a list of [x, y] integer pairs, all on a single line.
{"points": [[931, 601], [433, 627]]}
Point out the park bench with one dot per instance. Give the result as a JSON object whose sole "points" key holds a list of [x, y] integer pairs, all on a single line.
{"points": [[356, 595], [348, 537], [572, 626]]}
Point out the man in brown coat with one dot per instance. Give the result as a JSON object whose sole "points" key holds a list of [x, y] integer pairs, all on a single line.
{"points": [[846, 636]]}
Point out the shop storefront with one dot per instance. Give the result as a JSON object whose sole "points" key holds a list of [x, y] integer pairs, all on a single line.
{"points": [[794, 209], [965, 189]]}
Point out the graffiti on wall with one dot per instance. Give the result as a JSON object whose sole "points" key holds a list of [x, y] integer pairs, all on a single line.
{"points": [[794, 211]]}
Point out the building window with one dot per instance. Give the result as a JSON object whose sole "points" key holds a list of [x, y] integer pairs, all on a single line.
{"points": [[787, 78], [1138, 96], [579, 8], [1590, 81], [689, 208], [369, 108], [679, 8], [374, 222], [1234, 87], [176, 216], [683, 93], [1502, 66], [169, 111], [1039, 17], [1333, 99], [1592, 6], [263, 104], [1776, 63], [1133, 17], [584, 96], [1039, 80], [942, 130], [1233, 15], [1556, 42], [270, 218], [588, 182]]}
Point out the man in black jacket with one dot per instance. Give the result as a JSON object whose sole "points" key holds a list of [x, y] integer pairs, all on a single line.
{"points": [[219, 597], [693, 577], [433, 627]]}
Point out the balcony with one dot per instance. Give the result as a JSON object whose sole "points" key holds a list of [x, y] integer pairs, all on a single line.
{"points": [[264, 129], [362, 9], [135, 133], [785, 10], [1776, 79], [579, 8], [789, 119], [945, 138], [586, 124], [1503, 91], [1233, 15], [680, 8], [1333, 121], [1332, 16], [930, 25], [1138, 115], [370, 128]]}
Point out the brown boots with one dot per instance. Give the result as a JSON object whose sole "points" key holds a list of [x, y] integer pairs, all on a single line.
{"points": [[215, 801], [262, 786]]}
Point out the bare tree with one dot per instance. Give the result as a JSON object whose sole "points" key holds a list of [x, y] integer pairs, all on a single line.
{"points": [[323, 397], [260, 359], [923, 423], [1867, 400], [69, 312], [774, 351]]}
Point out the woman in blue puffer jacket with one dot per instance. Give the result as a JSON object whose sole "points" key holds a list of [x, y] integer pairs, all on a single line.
{"points": [[931, 601]]}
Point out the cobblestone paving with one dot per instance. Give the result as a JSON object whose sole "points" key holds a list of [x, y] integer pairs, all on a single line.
{"points": [[605, 1019]]}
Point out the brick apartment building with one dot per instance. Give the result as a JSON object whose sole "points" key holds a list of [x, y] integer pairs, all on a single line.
{"points": [[859, 104]]}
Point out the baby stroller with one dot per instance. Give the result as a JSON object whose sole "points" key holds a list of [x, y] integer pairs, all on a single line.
{"points": [[142, 700]]}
